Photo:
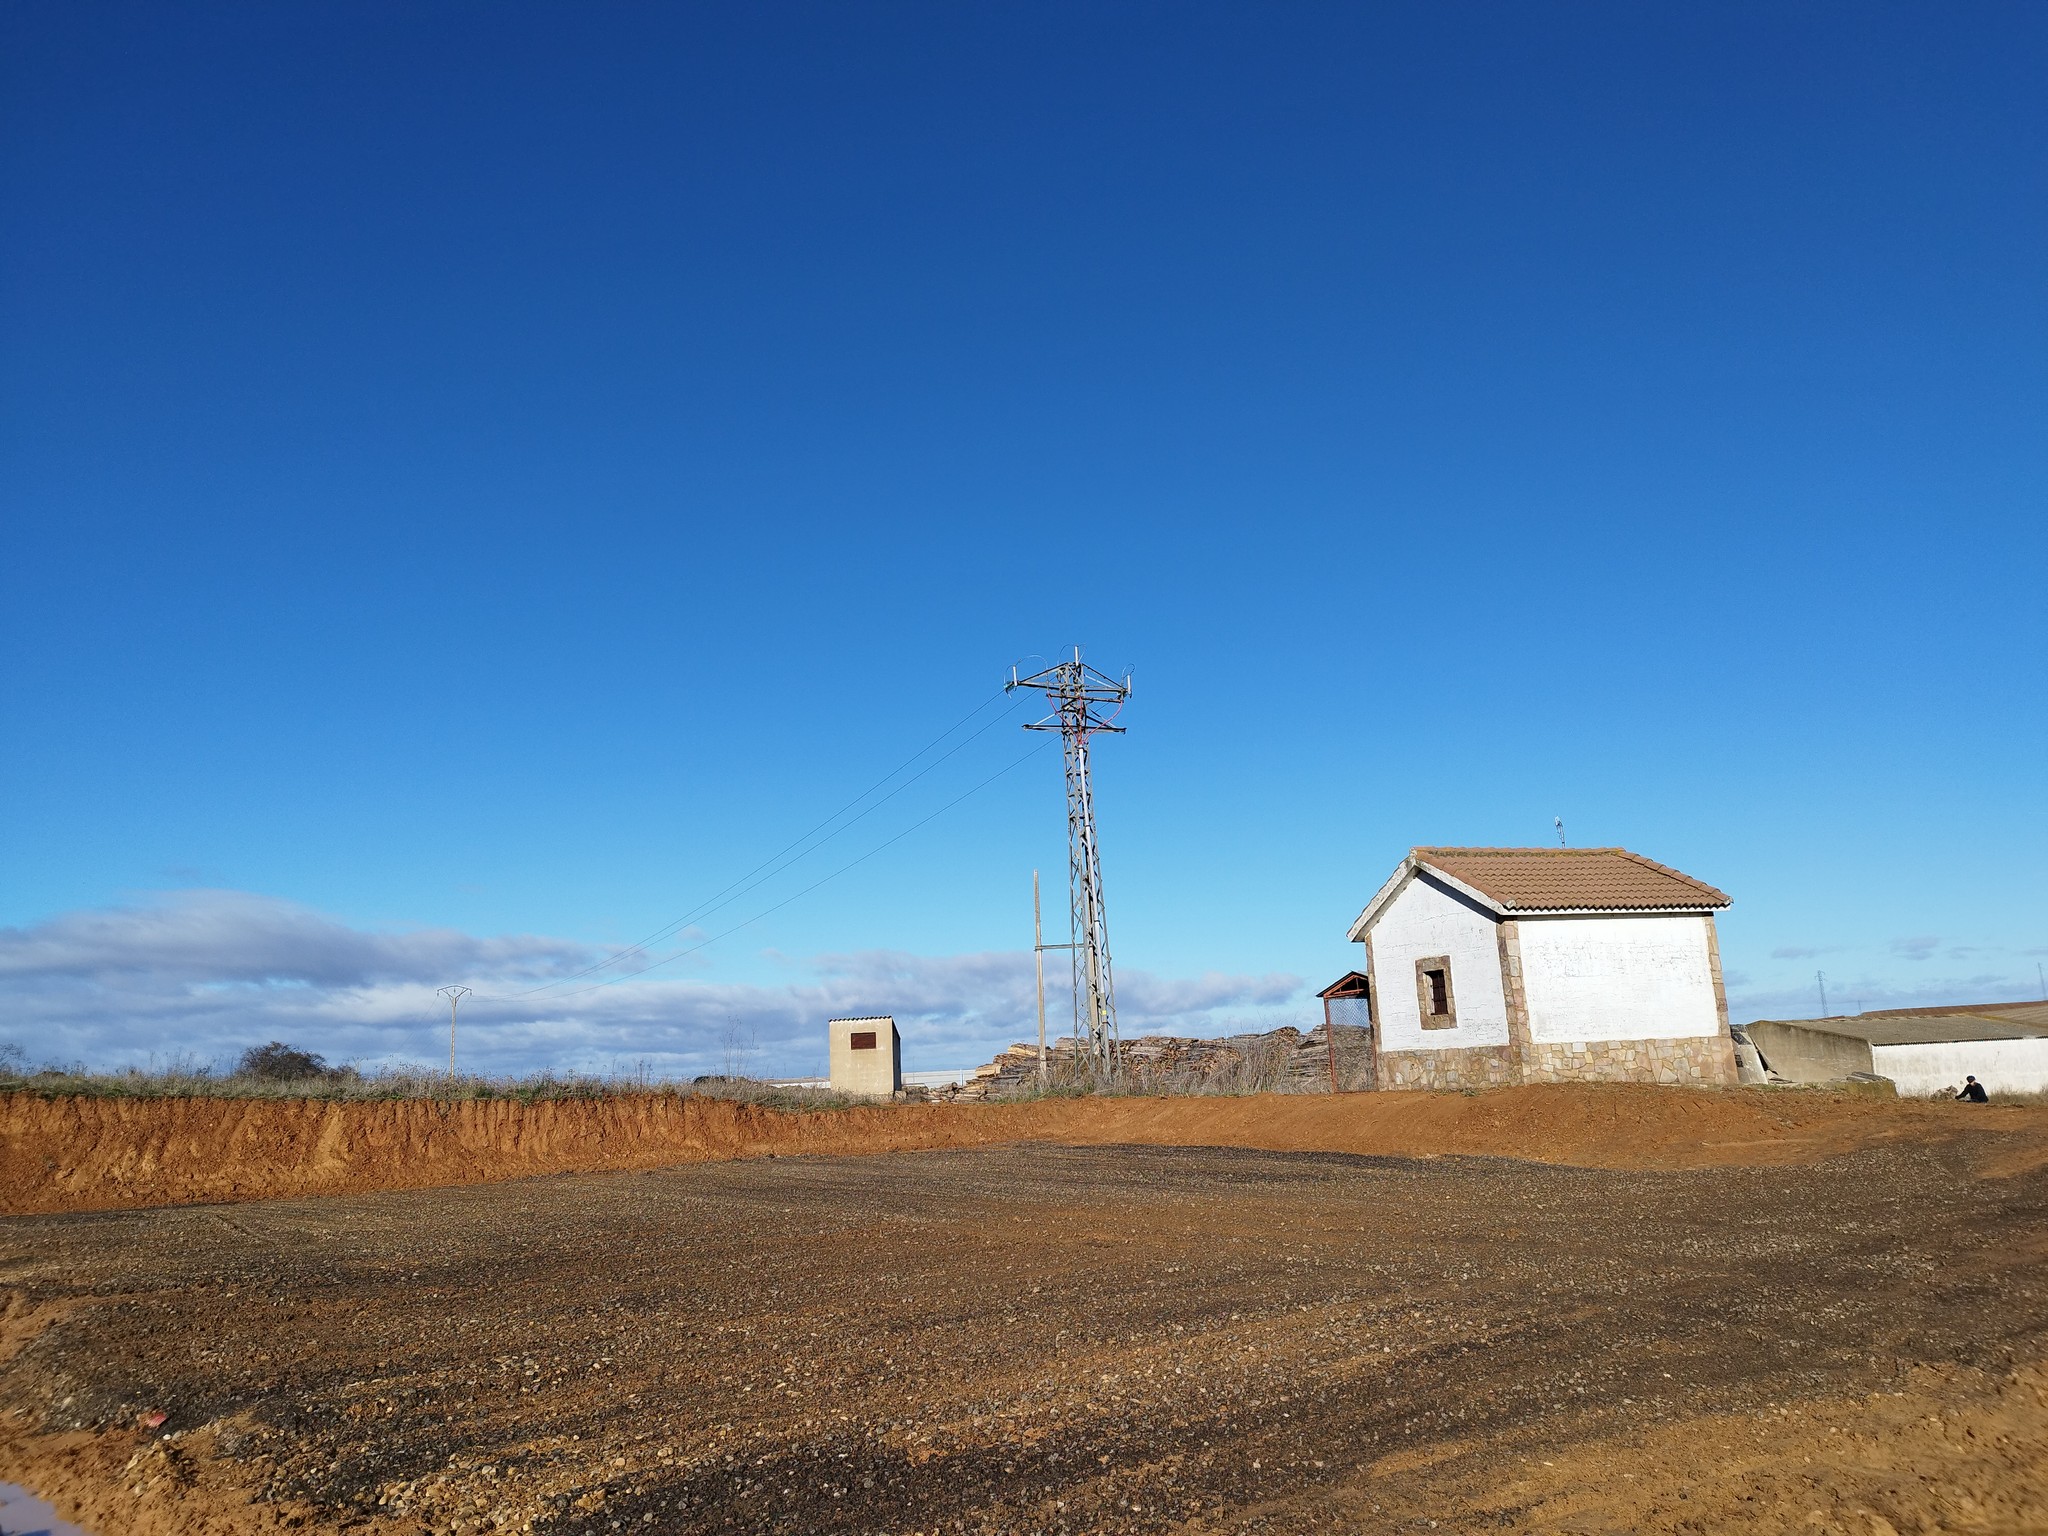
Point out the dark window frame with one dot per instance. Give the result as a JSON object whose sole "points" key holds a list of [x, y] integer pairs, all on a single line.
{"points": [[1433, 977]]}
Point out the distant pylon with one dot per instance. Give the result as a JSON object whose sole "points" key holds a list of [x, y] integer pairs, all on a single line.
{"points": [[1077, 693], [455, 995]]}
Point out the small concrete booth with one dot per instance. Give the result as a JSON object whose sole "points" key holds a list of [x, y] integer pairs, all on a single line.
{"points": [[867, 1056]]}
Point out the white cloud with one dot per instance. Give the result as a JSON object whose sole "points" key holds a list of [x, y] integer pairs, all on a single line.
{"points": [[1919, 947], [207, 973], [234, 936]]}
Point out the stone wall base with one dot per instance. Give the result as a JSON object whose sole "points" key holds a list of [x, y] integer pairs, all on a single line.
{"points": [[1472, 1066], [1699, 1061], [1703, 1061]]}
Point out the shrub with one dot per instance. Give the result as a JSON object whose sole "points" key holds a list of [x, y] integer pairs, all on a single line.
{"points": [[281, 1063]]}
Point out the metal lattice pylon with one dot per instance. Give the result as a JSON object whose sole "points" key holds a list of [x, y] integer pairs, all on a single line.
{"points": [[1078, 693]]}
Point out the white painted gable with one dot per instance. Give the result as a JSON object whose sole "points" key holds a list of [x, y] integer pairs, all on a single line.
{"points": [[1423, 919]]}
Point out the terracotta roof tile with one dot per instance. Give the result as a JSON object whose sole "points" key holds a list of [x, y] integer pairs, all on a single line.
{"points": [[1577, 879]]}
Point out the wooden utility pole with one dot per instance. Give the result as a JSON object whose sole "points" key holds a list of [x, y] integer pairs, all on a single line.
{"points": [[1038, 955], [1330, 1039]]}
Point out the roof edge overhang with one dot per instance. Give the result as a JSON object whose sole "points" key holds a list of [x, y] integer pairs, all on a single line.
{"points": [[1413, 865], [1409, 868], [1689, 909]]}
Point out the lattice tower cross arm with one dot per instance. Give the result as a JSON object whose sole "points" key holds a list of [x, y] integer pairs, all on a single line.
{"points": [[1078, 694]]}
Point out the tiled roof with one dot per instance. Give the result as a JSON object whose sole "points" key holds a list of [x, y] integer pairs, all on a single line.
{"points": [[1570, 879]]}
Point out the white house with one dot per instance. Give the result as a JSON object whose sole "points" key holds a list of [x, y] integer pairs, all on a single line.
{"points": [[1525, 965]]}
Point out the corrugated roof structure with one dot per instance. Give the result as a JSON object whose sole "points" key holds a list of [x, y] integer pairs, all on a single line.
{"points": [[1933, 1026], [1570, 879]]}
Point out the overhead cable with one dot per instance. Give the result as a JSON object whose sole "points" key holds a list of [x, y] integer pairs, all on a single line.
{"points": [[842, 869], [780, 860]]}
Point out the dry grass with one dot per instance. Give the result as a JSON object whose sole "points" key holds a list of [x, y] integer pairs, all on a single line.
{"points": [[183, 1079]]}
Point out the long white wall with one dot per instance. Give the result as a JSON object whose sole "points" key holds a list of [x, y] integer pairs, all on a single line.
{"points": [[1424, 920], [1617, 978], [2002, 1066]]}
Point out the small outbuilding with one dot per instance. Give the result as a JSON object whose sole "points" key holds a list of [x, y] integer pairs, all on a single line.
{"points": [[1525, 965], [1923, 1051], [1347, 1031], [866, 1055]]}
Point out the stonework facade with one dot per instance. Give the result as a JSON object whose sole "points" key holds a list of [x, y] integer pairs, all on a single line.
{"points": [[1699, 1061], [1485, 1066]]}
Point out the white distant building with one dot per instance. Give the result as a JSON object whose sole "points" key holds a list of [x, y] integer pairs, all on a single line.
{"points": [[1924, 1051], [866, 1055], [1526, 965]]}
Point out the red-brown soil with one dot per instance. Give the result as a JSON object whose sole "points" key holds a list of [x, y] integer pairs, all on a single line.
{"points": [[80, 1154], [1043, 1339]]}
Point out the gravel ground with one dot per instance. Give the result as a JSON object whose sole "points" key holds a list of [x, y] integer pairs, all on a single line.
{"points": [[1037, 1339]]}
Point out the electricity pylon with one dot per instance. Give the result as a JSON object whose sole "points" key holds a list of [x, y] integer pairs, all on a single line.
{"points": [[455, 995], [1078, 693]]}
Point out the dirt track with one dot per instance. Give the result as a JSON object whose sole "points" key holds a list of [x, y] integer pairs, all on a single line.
{"points": [[79, 1154], [1060, 1339]]}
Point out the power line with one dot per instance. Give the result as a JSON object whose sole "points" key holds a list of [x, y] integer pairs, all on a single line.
{"points": [[823, 880], [747, 882]]}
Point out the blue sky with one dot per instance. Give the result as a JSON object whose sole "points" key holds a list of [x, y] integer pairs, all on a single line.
{"points": [[480, 479]]}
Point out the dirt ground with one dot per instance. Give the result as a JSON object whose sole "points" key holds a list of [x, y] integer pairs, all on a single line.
{"points": [[1056, 1339], [86, 1154]]}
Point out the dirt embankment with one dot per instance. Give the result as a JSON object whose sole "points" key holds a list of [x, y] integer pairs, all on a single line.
{"points": [[81, 1154]]}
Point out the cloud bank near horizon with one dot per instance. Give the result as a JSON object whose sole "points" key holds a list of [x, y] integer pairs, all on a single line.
{"points": [[202, 974]]}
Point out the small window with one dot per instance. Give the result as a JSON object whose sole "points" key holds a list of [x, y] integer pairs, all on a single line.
{"points": [[864, 1040], [1434, 996]]}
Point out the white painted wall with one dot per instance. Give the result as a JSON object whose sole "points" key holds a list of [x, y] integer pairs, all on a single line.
{"points": [[1617, 978], [2002, 1066], [1423, 920]]}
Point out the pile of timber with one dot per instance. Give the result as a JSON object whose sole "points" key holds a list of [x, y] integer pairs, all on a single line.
{"points": [[1281, 1061]]}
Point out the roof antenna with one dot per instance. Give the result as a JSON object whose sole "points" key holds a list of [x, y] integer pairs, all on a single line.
{"points": [[1559, 822]]}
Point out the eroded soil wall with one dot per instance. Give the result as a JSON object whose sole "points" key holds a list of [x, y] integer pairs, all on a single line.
{"points": [[80, 1154]]}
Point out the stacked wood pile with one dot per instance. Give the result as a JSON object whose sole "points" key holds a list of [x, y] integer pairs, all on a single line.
{"points": [[1282, 1061]]}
